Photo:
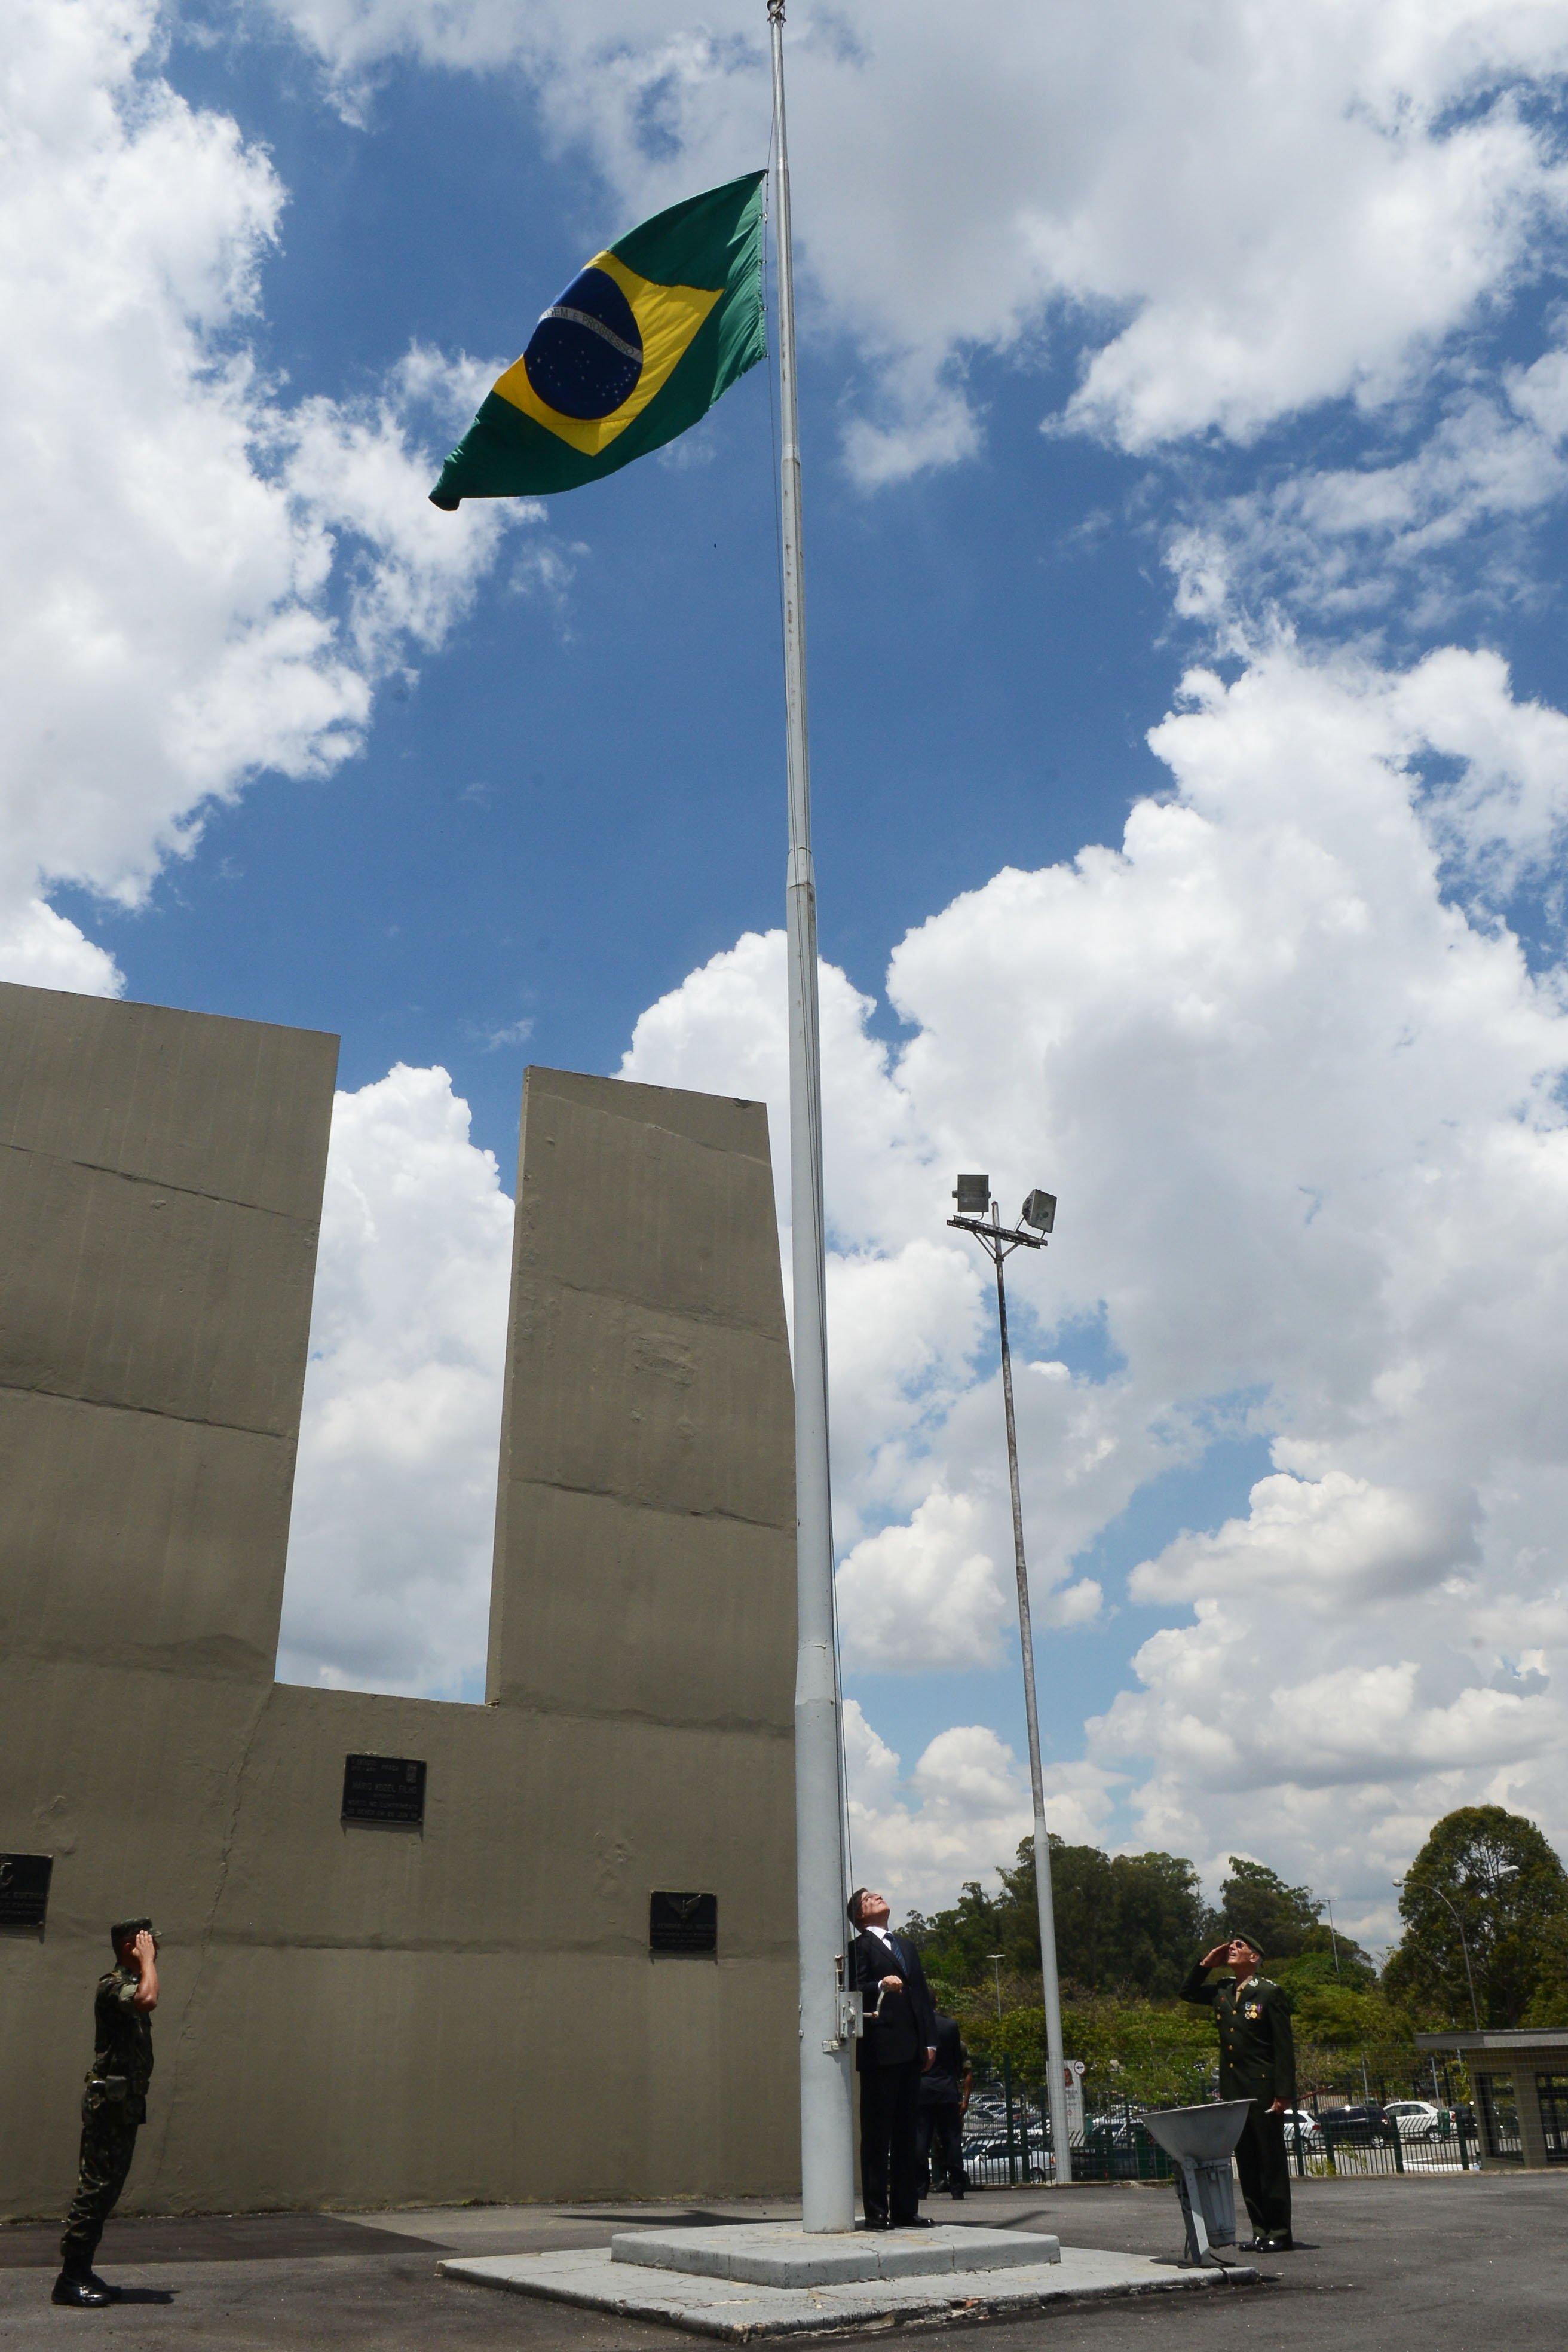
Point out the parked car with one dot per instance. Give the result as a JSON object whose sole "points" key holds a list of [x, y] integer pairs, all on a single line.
{"points": [[992, 2144], [1416, 2118], [1362, 2125], [1300, 2126]]}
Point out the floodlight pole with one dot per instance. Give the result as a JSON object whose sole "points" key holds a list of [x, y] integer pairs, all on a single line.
{"points": [[826, 2142], [999, 1244], [1464, 1945]]}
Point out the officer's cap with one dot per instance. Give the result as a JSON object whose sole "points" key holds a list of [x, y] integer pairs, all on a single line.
{"points": [[124, 1930]]}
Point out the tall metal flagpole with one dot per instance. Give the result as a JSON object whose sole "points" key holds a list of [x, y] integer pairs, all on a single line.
{"points": [[826, 2157]]}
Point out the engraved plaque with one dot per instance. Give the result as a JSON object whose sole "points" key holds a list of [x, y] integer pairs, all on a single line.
{"points": [[25, 1889], [683, 1923], [388, 1789]]}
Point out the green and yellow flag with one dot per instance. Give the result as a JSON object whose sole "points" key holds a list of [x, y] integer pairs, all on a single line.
{"points": [[639, 346]]}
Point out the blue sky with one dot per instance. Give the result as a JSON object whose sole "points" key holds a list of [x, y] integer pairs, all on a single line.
{"points": [[1166, 374]]}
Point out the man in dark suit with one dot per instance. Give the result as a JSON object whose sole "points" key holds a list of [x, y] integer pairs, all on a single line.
{"points": [[898, 2045]]}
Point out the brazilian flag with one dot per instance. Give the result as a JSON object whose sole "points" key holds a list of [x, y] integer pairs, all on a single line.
{"points": [[639, 346]]}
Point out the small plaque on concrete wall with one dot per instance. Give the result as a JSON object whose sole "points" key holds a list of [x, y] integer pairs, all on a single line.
{"points": [[683, 1923], [384, 1789], [25, 1889]]}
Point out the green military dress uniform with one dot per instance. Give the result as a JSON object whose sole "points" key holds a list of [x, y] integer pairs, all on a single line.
{"points": [[114, 2106], [1257, 2062]]}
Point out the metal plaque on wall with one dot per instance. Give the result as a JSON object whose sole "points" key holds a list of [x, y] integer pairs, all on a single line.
{"points": [[25, 1889], [384, 1789], [683, 1923]]}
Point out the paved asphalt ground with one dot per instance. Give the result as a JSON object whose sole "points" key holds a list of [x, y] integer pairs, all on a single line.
{"points": [[1454, 2261]]}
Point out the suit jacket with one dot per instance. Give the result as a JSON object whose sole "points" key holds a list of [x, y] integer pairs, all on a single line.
{"points": [[943, 2086], [906, 2026]]}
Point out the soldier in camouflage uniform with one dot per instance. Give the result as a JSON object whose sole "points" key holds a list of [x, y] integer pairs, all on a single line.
{"points": [[1257, 2062], [113, 2105]]}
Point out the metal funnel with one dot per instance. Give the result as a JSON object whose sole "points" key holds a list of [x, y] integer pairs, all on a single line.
{"points": [[1201, 2140]]}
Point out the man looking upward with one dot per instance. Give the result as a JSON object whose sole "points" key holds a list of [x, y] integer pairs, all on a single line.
{"points": [[898, 2045], [1257, 2062]]}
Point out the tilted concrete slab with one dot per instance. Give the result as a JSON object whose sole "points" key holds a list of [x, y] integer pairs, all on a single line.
{"points": [[779, 2254], [739, 2310]]}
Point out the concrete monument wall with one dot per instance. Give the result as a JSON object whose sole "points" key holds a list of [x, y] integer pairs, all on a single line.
{"points": [[356, 2013]]}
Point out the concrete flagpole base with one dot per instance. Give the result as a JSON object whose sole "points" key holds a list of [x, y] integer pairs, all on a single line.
{"points": [[756, 2279]]}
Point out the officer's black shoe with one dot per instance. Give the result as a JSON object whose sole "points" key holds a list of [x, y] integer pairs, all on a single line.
{"points": [[80, 2294], [113, 2293], [956, 2195], [916, 2222]]}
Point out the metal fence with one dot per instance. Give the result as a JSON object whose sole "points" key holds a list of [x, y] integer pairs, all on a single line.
{"points": [[1331, 2151], [1007, 2142]]}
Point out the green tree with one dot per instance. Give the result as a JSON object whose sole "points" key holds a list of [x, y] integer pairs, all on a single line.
{"points": [[1320, 1967], [1494, 1873], [1126, 1923], [1155, 2055], [1256, 1903]]}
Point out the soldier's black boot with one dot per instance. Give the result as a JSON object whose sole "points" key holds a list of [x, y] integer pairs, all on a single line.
{"points": [[80, 2293], [103, 2286]]}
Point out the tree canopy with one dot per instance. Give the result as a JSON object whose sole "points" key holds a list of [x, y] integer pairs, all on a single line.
{"points": [[1125, 1923], [1130, 1927], [1492, 1874], [1276, 1919]]}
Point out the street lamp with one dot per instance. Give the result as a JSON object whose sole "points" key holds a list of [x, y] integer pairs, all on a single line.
{"points": [[1427, 1885], [972, 1196], [1332, 1936]]}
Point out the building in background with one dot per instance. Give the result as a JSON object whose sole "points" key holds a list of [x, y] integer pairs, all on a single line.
{"points": [[1519, 2079], [413, 1951]]}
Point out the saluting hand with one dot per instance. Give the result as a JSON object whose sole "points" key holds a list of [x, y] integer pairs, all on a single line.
{"points": [[145, 1996]]}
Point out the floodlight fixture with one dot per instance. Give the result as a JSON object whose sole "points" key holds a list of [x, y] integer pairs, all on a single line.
{"points": [[1041, 1211], [973, 1195]]}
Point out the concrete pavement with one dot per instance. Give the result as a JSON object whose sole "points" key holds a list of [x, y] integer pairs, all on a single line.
{"points": [[1406, 2265]]}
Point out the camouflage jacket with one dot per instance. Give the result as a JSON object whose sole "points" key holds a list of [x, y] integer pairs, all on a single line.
{"points": [[123, 2042]]}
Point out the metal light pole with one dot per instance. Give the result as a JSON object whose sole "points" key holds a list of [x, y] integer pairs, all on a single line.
{"points": [[1039, 1210], [1470, 1980], [997, 1959], [826, 2153]]}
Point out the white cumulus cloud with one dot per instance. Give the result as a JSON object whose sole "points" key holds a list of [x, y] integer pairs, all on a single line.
{"points": [[202, 581], [393, 1520], [964, 1808], [1304, 1111], [1229, 212]]}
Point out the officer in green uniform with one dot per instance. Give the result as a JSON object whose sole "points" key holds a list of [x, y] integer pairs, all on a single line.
{"points": [[113, 2105], [1257, 2062]]}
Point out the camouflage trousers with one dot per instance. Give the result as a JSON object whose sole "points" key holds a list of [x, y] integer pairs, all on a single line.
{"points": [[108, 2144]]}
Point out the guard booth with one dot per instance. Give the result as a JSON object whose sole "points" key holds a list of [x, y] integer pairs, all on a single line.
{"points": [[1520, 2081]]}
